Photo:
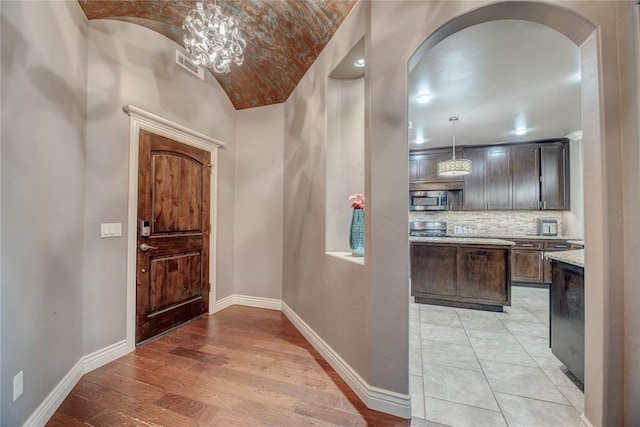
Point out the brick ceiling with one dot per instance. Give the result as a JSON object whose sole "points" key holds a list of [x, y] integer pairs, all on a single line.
{"points": [[283, 37]]}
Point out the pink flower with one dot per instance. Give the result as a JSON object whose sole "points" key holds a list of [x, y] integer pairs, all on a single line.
{"points": [[357, 201]]}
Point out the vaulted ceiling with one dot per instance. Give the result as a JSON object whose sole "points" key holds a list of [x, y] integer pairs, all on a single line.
{"points": [[284, 37]]}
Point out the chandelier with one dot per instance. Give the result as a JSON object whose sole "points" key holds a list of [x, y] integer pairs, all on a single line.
{"points": [[212, 38], [454, 167]]}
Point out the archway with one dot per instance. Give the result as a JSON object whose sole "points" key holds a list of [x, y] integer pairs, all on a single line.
{"points": [[603, 357]]}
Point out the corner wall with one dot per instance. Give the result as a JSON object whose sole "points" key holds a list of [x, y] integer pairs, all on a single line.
{"points": [[43, 78], [258, 202]]}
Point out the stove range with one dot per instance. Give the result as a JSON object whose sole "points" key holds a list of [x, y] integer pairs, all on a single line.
{"points": [[428, 228]]}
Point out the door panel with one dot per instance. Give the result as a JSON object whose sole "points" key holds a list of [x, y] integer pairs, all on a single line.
{"points": [[173, 196], [498, 179]]}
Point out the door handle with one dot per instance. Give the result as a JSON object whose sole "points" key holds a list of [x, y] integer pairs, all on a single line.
{"points": [[144, 247]]}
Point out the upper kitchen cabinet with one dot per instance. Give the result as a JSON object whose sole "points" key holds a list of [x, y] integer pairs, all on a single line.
{"points": [[554, 176], [423, 166], [473, 194], [498, 183], [525, 176]]}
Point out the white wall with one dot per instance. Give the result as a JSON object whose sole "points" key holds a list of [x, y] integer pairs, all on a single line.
{"points": [[44, 75], [345, 157], [258, 201]]}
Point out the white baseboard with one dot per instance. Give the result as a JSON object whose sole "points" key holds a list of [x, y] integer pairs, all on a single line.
{"points": [[257, 302], [375, 398], [86, 364], [584, 422]]}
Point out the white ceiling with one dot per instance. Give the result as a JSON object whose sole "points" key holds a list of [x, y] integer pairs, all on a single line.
{"points": [[496, 76]]}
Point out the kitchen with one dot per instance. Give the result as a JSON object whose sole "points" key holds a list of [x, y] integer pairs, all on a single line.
{"points": [[482, 239]]}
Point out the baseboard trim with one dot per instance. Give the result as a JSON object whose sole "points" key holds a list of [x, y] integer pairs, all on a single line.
{"points": [[88, 363], [257, 302], [584, 422], [373, 397]]}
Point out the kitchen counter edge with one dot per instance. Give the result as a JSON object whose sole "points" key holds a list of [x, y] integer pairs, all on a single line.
{"points": [[462, 240], [575, 257]]}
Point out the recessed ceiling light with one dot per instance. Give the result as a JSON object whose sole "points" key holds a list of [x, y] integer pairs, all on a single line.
{"points": [[521, 130], [420, 140], [423, 98], [359, 63]]}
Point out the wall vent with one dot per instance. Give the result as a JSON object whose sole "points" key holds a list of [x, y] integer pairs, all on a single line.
{"points": [[186, 63]]}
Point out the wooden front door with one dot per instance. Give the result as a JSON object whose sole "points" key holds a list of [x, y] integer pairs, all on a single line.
{"points": [[172, 279]]}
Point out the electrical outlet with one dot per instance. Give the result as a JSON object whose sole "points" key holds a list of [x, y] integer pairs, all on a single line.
{"points": [[18, 385]]}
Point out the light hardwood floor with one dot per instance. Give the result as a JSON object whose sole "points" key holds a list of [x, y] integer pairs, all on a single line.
{"points": [[239, 367]]}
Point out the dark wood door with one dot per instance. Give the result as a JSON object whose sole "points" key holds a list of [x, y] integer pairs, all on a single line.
{"points": [[474, 195], [433, 270], [527, 266], [484, 274], [173, 272], [525, 173], [498, 179], [554, 176]]}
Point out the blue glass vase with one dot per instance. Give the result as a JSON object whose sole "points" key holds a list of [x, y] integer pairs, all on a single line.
{"points": [[356, 237]]}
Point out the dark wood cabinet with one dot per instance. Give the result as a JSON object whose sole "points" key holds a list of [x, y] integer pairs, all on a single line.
{"points": [[525, 176], [483, 275], [458, 275], [423, 165], [567, 316], [434, 270], [554, 176], [528, 264], [498, 179], [473, 194]]}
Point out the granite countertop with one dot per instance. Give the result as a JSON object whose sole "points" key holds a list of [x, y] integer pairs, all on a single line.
{"points": [[575, 257], [570, 239], [462, 240]]}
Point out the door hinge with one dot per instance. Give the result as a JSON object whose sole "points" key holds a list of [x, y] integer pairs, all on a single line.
{"points": [[209, 287]]}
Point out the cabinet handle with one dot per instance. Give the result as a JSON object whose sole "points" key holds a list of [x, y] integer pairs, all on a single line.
{"points": [[544, 205], [526, 245], [561, 246]]}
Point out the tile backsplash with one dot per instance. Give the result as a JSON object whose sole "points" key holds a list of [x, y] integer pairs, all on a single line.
{"points": [[490, 222]]}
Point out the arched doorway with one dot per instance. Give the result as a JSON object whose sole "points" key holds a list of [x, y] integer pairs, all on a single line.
{"points": [[602, 360]]}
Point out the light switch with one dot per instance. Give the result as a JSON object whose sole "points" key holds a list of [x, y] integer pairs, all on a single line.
{"points": [[112, 229]]}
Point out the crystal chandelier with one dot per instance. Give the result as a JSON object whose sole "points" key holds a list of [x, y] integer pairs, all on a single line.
{"points": [[212, 38], [454, 167]]}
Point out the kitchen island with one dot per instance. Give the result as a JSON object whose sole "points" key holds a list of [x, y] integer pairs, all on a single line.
{"points": [[461, 272], [567, 309]]}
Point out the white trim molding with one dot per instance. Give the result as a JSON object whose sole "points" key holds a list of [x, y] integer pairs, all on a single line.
{"points": [[86, 364], [584, 422], [257, 302], [375, 398], [143, 120]]}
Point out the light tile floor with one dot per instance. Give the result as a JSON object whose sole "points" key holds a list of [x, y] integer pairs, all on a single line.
{"points": [[477, 368]]}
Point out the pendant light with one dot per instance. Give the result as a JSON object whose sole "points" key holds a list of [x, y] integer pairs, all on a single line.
{"points": [[454, 167]]}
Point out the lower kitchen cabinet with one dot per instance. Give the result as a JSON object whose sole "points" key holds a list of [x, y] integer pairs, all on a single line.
{"points": [[459, 275], [527, 266]]}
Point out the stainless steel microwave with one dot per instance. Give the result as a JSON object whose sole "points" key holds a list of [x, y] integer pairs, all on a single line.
{"points": [[430, 200]]}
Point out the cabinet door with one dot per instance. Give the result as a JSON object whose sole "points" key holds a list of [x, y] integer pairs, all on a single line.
{"points": [[413, 170], [498, 179], [525, 173], [554, 175], [474, 197], [483, 274], [433, 270], [527, 266], [426, 165]]}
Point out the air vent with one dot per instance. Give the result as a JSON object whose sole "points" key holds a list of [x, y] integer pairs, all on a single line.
{"points": [[186, 63]]}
